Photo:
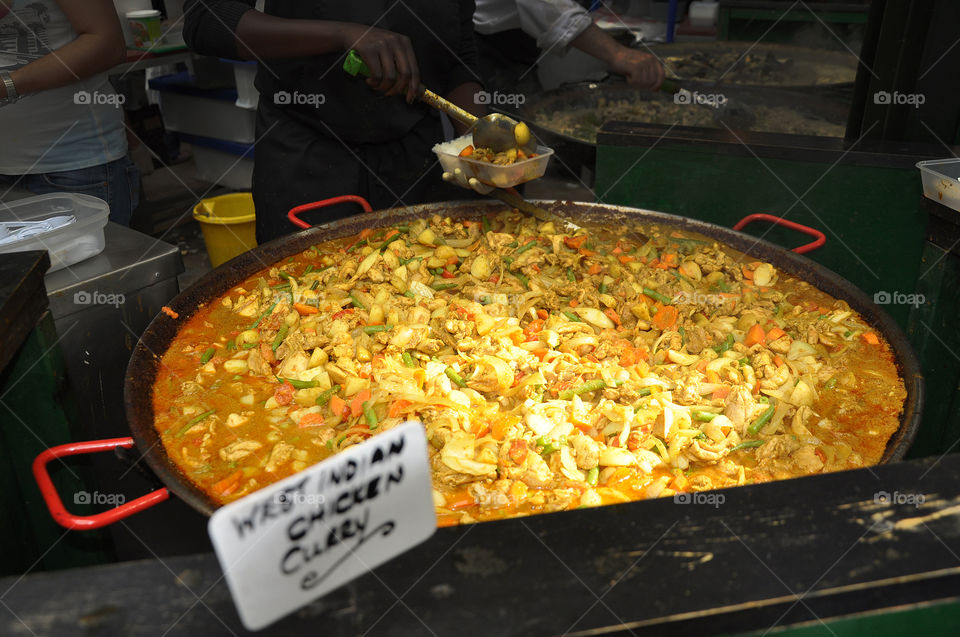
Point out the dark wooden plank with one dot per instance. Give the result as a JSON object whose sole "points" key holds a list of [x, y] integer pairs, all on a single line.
{"points": [[23, 298], [656, 566]]}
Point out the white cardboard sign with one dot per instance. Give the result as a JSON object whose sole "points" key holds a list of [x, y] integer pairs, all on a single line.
{"points": [[292, 542]]}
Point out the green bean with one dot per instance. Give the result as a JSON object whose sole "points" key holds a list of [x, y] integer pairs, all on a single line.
{"points": [[589, 386], [573, 317], [513, 244], [357, 302], [370, 414], [704, 416], [408, 360], [326, 395], [315, 284], [443, 286], [603, 288], [523, 278], [231, 345], [455, 377], [373, 329], [831, 383], [593, 476], [571, 276], [656, 296], [760, 422], [264, 315], [195, 420], [207, 355], [486, 224], [530, 244], [410, 294], [282, 334], [280, 286], [250, 345], [725, 345], [507, 259], [548, 446], [307, 270], [747, 444], [298, 384]]}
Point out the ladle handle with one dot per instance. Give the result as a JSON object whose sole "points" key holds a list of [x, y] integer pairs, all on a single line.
{"points": [[354, 65]]}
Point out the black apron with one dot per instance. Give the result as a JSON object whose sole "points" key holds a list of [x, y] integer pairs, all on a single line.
{"points": [[322, 133]]}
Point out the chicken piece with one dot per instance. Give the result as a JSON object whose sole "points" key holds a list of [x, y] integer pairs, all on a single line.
{"points": [[697, 339], [687, 391], [586, 451], [739, 407], [239, 450], [538, 473], [806, 460], [279, 456], [256, 364]]}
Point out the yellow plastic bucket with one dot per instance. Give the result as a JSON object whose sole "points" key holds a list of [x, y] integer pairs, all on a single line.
{"points": [[228, 224]]}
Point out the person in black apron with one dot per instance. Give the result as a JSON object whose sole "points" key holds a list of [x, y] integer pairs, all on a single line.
{"points": [[322, 133]]}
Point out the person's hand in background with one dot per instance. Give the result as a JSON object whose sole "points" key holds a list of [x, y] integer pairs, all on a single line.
{"points": [[641, 70]]}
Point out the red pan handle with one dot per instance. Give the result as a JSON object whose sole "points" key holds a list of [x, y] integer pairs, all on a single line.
{"points": [[87, 522], [323, 203], [819, 237]]}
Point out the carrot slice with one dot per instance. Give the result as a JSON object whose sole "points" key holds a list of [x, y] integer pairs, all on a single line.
{"points": [[337, 405], [356, 405], [303, 310], [755, 335], [870, 338], [310, 420], [169, 312], [574, 243], [665, 318], [774, 334], [397, 407], [594, 268], [229, 484]]}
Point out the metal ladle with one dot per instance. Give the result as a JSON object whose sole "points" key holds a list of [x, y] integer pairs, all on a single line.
{"points": [[494, 131]]}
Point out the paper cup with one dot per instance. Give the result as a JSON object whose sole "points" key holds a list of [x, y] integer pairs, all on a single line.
{"points": [[145, 27]]}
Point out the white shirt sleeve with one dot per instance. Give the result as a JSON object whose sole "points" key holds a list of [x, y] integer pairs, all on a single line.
{"points": [[554, 23]]}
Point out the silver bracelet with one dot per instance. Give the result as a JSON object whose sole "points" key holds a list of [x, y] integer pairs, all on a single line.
{"points": [[12, 95]]}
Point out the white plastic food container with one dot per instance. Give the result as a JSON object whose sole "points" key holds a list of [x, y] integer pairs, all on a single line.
{"points": [[487, 173], [941, 181], [68, 244]]}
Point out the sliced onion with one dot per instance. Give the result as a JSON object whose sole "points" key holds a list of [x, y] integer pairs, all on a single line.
{"points": [[682, 359], [799, 349], [595, 317]]}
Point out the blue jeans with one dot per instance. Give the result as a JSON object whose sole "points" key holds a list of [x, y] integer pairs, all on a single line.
{"points": [[116, 182]]}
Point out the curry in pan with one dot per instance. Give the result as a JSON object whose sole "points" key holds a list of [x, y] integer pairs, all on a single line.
{"points": [[551, 370]]}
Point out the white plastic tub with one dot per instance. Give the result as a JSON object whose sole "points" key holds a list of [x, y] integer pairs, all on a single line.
{"points": [[941, 181], [69, 244], [492, 175], [220, 162], [206, 112]]}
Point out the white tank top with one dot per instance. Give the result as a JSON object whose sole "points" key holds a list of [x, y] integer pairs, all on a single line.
{"points": [[72, 127]]}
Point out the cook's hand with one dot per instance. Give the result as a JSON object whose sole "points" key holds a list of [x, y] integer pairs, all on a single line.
{"points": [[642, 70], [390, 56], [458, 178]]}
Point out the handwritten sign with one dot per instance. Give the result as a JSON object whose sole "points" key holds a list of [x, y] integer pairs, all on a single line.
{"points": [[292, 542]]}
